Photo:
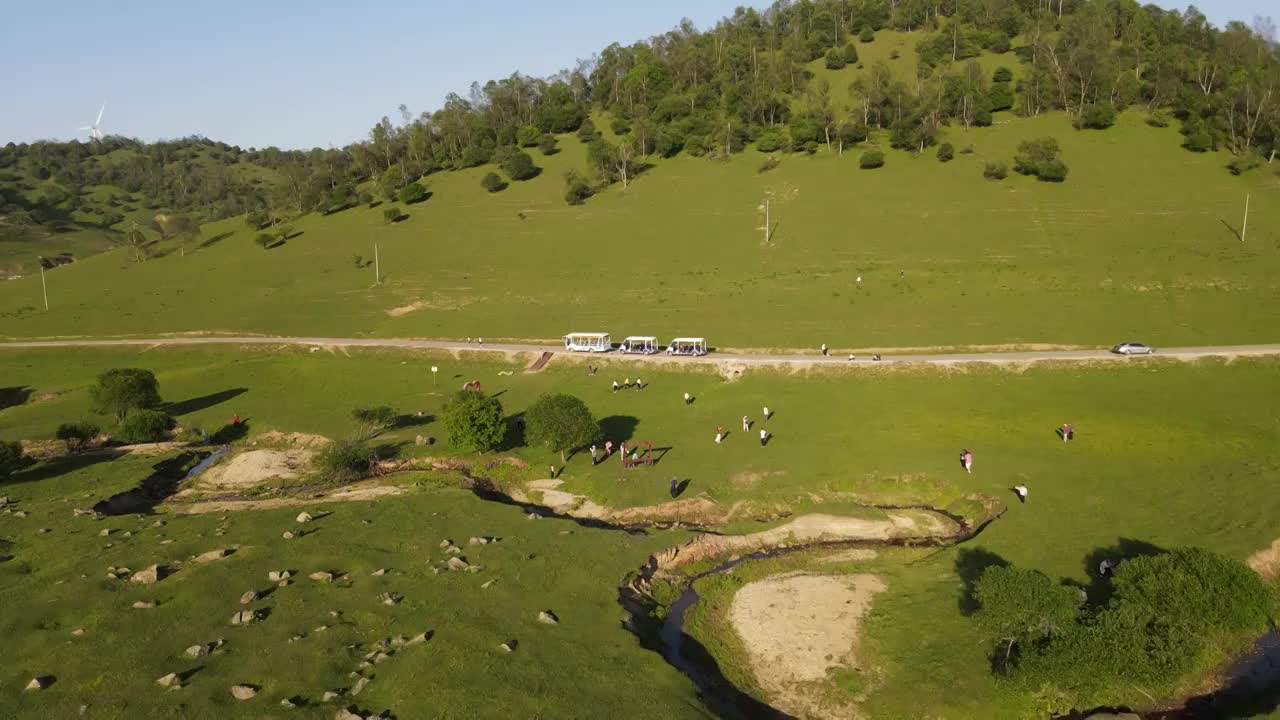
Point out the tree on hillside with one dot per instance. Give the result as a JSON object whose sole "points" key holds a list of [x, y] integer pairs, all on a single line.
{"points": [[492, 182], [1040, 157], [76, 435], [520, 166], [576, 188], [562, 423], [1021, 606], [11, 458], [412, 193], [474, 421], [119, 391], [144, 426], [183, 227], [137, 242]]}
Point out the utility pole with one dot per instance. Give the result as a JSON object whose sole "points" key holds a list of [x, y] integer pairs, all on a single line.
{"points": [[766, 221], [43, 287], [377, 269], [1244, 227]]}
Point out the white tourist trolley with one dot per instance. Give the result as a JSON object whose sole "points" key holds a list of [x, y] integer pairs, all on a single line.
{"points": [[588, 342], [640, 344], [688, 346]]}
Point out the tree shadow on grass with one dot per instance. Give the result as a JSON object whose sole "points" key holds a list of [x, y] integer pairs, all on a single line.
{"points": [[14, 396], [153, 489], [619, 428], [203, 402], [970, 564], [58, 466], [1099, 587], [214, 239], [514, 435], [230, 433]]}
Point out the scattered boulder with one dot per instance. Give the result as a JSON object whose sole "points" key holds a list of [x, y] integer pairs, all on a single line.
{"points": [[78, 632], [320, 628], [458, 563], [509, 646], [43, 531], [40, 682], [304, 517], [328, 696], [143, 605], [149, 576], [287, 535], [244, 617], [212, 555], [487, 583], [419, 441], [321, 576], [290, 702], [547, 617], [170, 681], [380, 658], [278, 575], [104, 532], [196, 651], [4, 500], [379, 572], [390, 598], [158, 523], [360, 685], [248, 597], [349, 713], [243, 692], [534, 516], [419, 638]]}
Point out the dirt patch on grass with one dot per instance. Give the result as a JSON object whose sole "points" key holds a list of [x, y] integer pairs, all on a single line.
{"points": [[249, 470], [750, 479], [1266, 562], [296, 439], [798, 627], [851, 555], [369, 490], [406, 309]]}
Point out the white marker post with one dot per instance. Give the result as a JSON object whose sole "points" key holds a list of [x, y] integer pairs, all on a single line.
{"points": [[43, 287], [1244, 227], [377, 271], [766, 221], [434, 370]]}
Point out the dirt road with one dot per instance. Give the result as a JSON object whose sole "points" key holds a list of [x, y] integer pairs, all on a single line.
{"points": [[717, 357]]}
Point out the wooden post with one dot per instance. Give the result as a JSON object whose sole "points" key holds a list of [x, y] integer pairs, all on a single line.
{"points": [[43, 287], [1244, 227], [377, 269], [766, 220]]}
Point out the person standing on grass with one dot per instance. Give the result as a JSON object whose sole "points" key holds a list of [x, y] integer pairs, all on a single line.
{"points": [[608, 448], [966, 459], [1070, 432], [639, 385], [688, 398], [746, 423], [764, 437], [1022, 493], [594, 453], [615, 386], [824, 349], [719, 434], [766, 412]]}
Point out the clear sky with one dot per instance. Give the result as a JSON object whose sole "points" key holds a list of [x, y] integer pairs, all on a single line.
{"points": [[305, 74]]}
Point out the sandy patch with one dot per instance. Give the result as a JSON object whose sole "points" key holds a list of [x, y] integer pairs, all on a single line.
{"points": [[250, 469], [797, 628], [1266, 562], [851, 555], [297, 439], [751, 479], [351, 493], [406, 309]]}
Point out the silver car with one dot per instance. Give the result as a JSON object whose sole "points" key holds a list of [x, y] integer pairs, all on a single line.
{"points": [[1133, 348]]}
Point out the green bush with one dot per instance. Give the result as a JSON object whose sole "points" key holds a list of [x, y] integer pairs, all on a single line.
{"points": [[412, 193], [1000, 97], [144, 426], [562, 423], [576, 188], [995, 170], [520, 166], [620, 125], [474, 421], [982, 117], [391, 214], [548, 146], [1098, 117], [946, 152], [492, 182], [587, 131], [1243, 164], [1158, 118], [77, 434], [696, 145], [867, 35], [772, 140], [871, 160], [850, 54], [345, 460], [11, 458], [528, 136], [835, 59], [374, 420], [1053, 171], [121, 390], [264, 240], [1039, 157]]}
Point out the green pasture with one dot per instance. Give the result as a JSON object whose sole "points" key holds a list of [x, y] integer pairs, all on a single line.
{"points": [[1140, 242]]}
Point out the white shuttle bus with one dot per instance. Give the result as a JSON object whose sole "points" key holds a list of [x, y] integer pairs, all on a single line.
{"points": [[595, 342]]}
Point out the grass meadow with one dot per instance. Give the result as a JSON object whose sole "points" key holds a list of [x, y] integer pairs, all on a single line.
{"points": [[1168, 453]]}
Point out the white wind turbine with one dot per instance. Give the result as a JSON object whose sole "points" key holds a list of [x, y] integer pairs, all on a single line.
{"points": [[95, 132]]}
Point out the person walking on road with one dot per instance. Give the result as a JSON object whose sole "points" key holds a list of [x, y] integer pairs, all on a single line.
{"points": [[764, 437]]}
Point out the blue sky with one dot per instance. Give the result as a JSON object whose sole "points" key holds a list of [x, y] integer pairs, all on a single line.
{"points": [[295, 74]]}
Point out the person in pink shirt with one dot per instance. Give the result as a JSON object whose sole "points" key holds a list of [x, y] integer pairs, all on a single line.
{"points": [[966, 459]]}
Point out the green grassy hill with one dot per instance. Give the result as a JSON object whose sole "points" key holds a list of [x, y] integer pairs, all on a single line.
{"points": [[1140, 241]]}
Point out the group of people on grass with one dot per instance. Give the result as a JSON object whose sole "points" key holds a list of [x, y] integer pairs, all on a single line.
{"points": [[1068, 433], [746, 426]]}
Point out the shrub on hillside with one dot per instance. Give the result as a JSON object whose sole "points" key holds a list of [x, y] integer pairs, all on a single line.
{"points": [[894, 54], [264, 240], [576, 188], [77, 434], [366, 198], [412, 193], [852, 132], [1000, 97], [120, 391], [473, 421], [391, 214], [528, 136], [345, 460], [619, 125], [995, 170], [946, 152], [1098, 117], [587, 131], [696, 145], [834, 59], [547, 145], [372, 421], [144, 426], [492, 182], [1039, 157], [771, 162], [520, 166], [982, 117], [1021, 608], [867, 35], [772, 140], [562, 423], [1244, 164], [1158, 118], [850, 54], [257, 219], [871, 159], [11, 458], [670, 142]]}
